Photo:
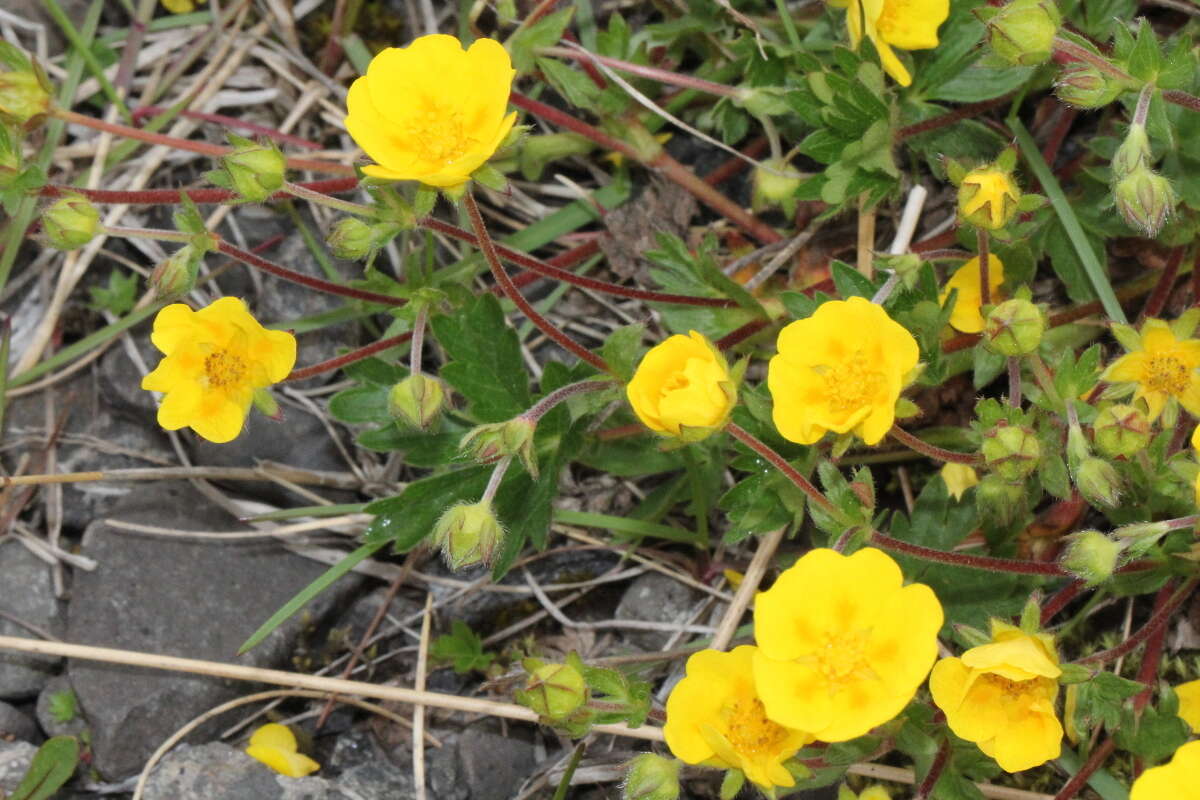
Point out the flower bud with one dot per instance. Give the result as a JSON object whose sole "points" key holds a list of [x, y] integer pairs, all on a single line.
{"points": [[23, 96], [176, 274], [1145, 199], [988, 197], [1121, 430], [1084, 86], [351, 239], [999, 499], [254, 171], [1098, 482], [775, 185], [651, 777], [1092, 557], [468, 534], [1022, 33], [1011, 451], [1133, 154], [71, 221], [555, 691], [1014, 328], [514, 437], [417, 401]]}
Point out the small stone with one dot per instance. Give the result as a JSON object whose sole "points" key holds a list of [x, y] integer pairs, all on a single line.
{"points": [[27, 594], [218, 771], [655, 598], [58, 694], [15, 758], [16, 725], [493, 766]]}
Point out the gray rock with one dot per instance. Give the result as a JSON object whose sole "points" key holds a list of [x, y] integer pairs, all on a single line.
{"points": [[655, 598], [442, 771], [217, 771], [50, 723], [16, 725], [15, 758], [366, 771], [27, 594], [175, 597], [494, 766]]}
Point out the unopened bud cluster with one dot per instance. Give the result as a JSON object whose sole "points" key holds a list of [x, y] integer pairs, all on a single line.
{"points": [[1022, 32], [1014, 328], [70, 222], [468, 534], [1145, 198]]}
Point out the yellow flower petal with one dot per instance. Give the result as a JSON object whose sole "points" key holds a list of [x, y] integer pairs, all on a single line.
{"points": [[275, 746], [1178, 779], [682, 387], [959, 478], [966, 316], [1189, 704], [912, 24]]}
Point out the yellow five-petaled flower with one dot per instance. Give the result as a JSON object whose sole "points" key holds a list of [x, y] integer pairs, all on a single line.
{"points": [[1164, 368], [432, 112], [683, 388], [215, 360], [840, 370], [843, 644], [1001, 696], [906, 24], [715, 717]]}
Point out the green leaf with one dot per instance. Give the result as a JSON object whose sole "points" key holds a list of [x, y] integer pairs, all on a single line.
{"points": [[572, 84], [624, 349], [1155, 735], [53, 765], [849, 282], [118, 296], [485, 360], [63, 706], [1099, 700], [361, 404], [544, 33], [463, 648], [375, 371], [407, 518], [1146, 57]]}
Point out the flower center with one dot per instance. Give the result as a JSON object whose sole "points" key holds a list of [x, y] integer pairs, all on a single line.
{"points": [[1166, 372], [437, 133], [841, 658], [222, 368], [851, 384], [750, 732], [1016, 692]]}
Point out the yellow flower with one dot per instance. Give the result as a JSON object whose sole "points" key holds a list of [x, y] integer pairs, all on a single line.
{"points": [[1164, 368], [1001, 696], [275, 746], [1196, 488], [840, 370], [907, 24], [988, 197], [715, 717], [965, 316], [181, 6], [215, 360], [959, 478], [1189, 704], [1178, 780], [432, 112], [683, 388], [843, 644], [1196, 439]]}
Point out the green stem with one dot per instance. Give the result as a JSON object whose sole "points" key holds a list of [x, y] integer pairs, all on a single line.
{"points": [[789, 26], [304, 193], [564, 785], [89, 57], [699, 498], [148, 233], [1081, 53]]}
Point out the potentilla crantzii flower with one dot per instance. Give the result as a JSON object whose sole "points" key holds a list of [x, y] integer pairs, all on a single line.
{"points": [[715, 717], [906, 24], [215, 360], [1164, 368], [840, 370], [432, 112], [1001, 696], [1178, 779], [966, 316], [275, 745], [843, 644], [683, 388]]}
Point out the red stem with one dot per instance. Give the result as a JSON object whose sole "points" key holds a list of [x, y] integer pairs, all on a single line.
{"points": [[1094, 762], [165, 196], [231, 122], [780, 463], [1162, 289], [957, 115], [989, 563], [1148, 669], [547, 270], [935, 772], [514, 294], [1060, 600], [985, 289], [310, 281], [736, 337], [1156, 621], [348, 358], [933, 451]]}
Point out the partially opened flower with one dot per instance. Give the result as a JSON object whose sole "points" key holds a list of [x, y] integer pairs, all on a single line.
{"points": [[275, 745], [215, 360], [906, 24], [683, 388], [1179, 779], [1164, 368], [840, 370], [1001, 696], [843, 644], [715, 717], [959, 478], [432, 112], [965, 316]]}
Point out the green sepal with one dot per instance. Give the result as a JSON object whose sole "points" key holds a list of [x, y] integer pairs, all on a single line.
{"points": [[491, 177], [732, 783], [265, 402]]}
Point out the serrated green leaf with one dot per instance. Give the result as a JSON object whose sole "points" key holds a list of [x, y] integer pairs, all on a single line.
{"points": [[485, 360], [463, 648], [624, 349], [544, 33], [118, 296], [360, 404]]}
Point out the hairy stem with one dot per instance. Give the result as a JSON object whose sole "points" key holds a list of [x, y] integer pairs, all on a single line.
{"points": [[348, 358], [319, 284], [933, 451]]}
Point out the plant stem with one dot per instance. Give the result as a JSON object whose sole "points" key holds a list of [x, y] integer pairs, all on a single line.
{"points": [[989, 563], [541, 407], [957, 115], [1014, 381], [1162, 289], [985, 290], [780, 463], [148, 233], [303, 192], [736, 337], [493, 484], [418, 340], [1142, 110], [1184, 99], [643, 71], [1080, 53], [564, 785], [319, 284], [1059, 601], [1157, 620], [1094, 762], [935, 772], [488, 247], [348, 358], [933, 451]]}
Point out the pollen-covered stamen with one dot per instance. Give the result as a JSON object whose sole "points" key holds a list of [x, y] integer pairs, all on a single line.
{"points": [[750, 732], [222, 368], [851, 384], [438, 135], [842, 658], [1166, 372]]}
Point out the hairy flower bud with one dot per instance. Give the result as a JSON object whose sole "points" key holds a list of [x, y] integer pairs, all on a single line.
{"points": [[775, 185], [468, 534], [23, 96], [651, 777], [1121, 430], [1014, 328], [1022, 33], [1085, 86], [555, 691], [1011, 451], [999, 499], [1092, 557], [1145, 199], [988, 197], [1133, 154], [417, 401], [351, 239], [70, 222], [514, 437], [255, 171], [1098, 482], [176, 274]]}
